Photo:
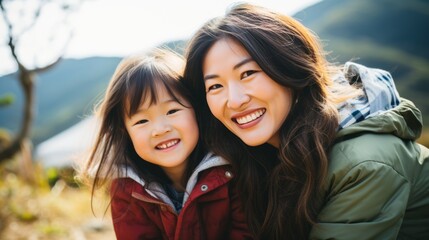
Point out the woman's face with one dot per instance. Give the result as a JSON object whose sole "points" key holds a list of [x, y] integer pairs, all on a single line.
{"points": [[240, 95]]}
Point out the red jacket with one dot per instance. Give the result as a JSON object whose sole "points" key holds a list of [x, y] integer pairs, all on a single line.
{"points": [[212, 210]]}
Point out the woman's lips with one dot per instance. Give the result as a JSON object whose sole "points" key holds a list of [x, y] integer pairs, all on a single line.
{"points": [[249, 118]]}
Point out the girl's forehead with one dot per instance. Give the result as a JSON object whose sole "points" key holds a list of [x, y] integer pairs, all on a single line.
{"points": [[161, 93], [153, 96]]}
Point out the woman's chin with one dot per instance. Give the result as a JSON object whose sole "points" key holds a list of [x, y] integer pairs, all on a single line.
{"points": [[252, 142]]}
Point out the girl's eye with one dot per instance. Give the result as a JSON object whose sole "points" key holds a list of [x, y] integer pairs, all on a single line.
{"points": [[213, 87], [172, 111], [247, 73], [143, 121]]}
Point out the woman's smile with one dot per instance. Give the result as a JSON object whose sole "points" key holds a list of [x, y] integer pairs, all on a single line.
{"points": [[242, 96], [246, 118]]}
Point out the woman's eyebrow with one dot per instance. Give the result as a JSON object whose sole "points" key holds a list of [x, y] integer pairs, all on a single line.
{"points": [[244, 61], [241, 63]]}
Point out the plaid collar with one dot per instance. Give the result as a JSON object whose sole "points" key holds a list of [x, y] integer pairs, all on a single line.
{"points": [[380, 94]]}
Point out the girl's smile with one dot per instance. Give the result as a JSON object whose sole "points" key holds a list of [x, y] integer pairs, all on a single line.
{"points": [[167, 145], [165, 132]]}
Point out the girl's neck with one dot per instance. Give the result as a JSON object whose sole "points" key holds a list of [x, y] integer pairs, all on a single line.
{"points": [[179, 187], [176, 177]]}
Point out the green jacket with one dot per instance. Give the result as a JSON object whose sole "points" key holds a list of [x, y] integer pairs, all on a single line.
{"points": [[378, 180]]}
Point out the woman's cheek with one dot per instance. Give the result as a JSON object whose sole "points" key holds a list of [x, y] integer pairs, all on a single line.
{"points": [[215, 105]]}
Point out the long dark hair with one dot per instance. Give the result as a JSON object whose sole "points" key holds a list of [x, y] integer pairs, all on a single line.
{"points": [[280, 188], [136, 79]]}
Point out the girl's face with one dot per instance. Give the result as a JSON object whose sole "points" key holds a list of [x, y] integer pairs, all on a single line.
{"points": [[164, 133], [240, 95]]}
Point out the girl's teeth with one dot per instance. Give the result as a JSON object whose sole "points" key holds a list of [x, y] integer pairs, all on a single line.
{"points": [[167, 145]]}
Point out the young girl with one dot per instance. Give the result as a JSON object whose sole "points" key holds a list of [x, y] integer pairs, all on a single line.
{"points": [[269, 106], [164, 184]]}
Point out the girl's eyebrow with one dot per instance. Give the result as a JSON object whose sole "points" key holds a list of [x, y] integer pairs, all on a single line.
{"points": [[143, 109], [241, 63], [210, 76]]}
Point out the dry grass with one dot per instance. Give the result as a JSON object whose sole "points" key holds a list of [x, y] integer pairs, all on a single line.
{"points": [[35, 210]]}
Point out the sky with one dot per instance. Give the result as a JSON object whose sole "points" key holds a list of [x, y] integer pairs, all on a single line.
{"points": [[118, 28]]}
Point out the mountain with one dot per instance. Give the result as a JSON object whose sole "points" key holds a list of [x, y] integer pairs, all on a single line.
{"points": [[387, 34], [64, 95]]}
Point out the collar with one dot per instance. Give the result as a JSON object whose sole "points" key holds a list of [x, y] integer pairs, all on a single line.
{"points": [[157, 191]]}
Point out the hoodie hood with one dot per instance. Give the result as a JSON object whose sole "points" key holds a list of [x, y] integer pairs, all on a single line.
{"points": [[404, 121], [379, 93]]}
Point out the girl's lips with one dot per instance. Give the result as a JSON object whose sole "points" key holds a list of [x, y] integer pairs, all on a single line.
{"points": [[248, 117], [167, 144]]}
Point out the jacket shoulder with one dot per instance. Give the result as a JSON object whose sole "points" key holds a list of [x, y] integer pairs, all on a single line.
{"points": [[369, 154], [385, 149], [125, 187]]}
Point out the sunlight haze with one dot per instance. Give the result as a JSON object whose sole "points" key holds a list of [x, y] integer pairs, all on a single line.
{"points": [[120, 28]]}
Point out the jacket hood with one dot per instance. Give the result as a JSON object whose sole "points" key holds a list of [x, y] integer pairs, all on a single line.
{"points": [[404, 121], [157, 191]]}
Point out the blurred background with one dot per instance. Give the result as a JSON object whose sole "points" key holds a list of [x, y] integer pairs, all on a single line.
{"points": [[57, 56]]}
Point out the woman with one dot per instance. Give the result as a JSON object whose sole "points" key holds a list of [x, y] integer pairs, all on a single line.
{"points": [[269, 106]]}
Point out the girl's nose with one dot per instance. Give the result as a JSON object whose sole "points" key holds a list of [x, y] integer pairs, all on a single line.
{"points": [[161, 128], [237, 96]]}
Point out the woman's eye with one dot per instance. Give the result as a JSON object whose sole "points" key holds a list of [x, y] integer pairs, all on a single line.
{"points": [[213, 87], [172, 111], [247, 73]]}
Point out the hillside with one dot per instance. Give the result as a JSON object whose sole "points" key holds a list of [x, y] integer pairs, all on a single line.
{"points": [[64, 95], [387, 34]]}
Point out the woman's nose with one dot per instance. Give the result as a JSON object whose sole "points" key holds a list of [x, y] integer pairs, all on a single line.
{"points": [[237, 96]]}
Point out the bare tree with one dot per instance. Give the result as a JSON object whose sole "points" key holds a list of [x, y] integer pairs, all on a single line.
{"points": [[23, 22]]}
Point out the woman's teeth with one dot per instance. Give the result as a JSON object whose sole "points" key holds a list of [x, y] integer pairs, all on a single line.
{"points": [[250, 117]]}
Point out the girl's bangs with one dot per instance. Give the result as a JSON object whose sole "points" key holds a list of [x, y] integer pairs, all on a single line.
{"points": [[144, 86]]}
